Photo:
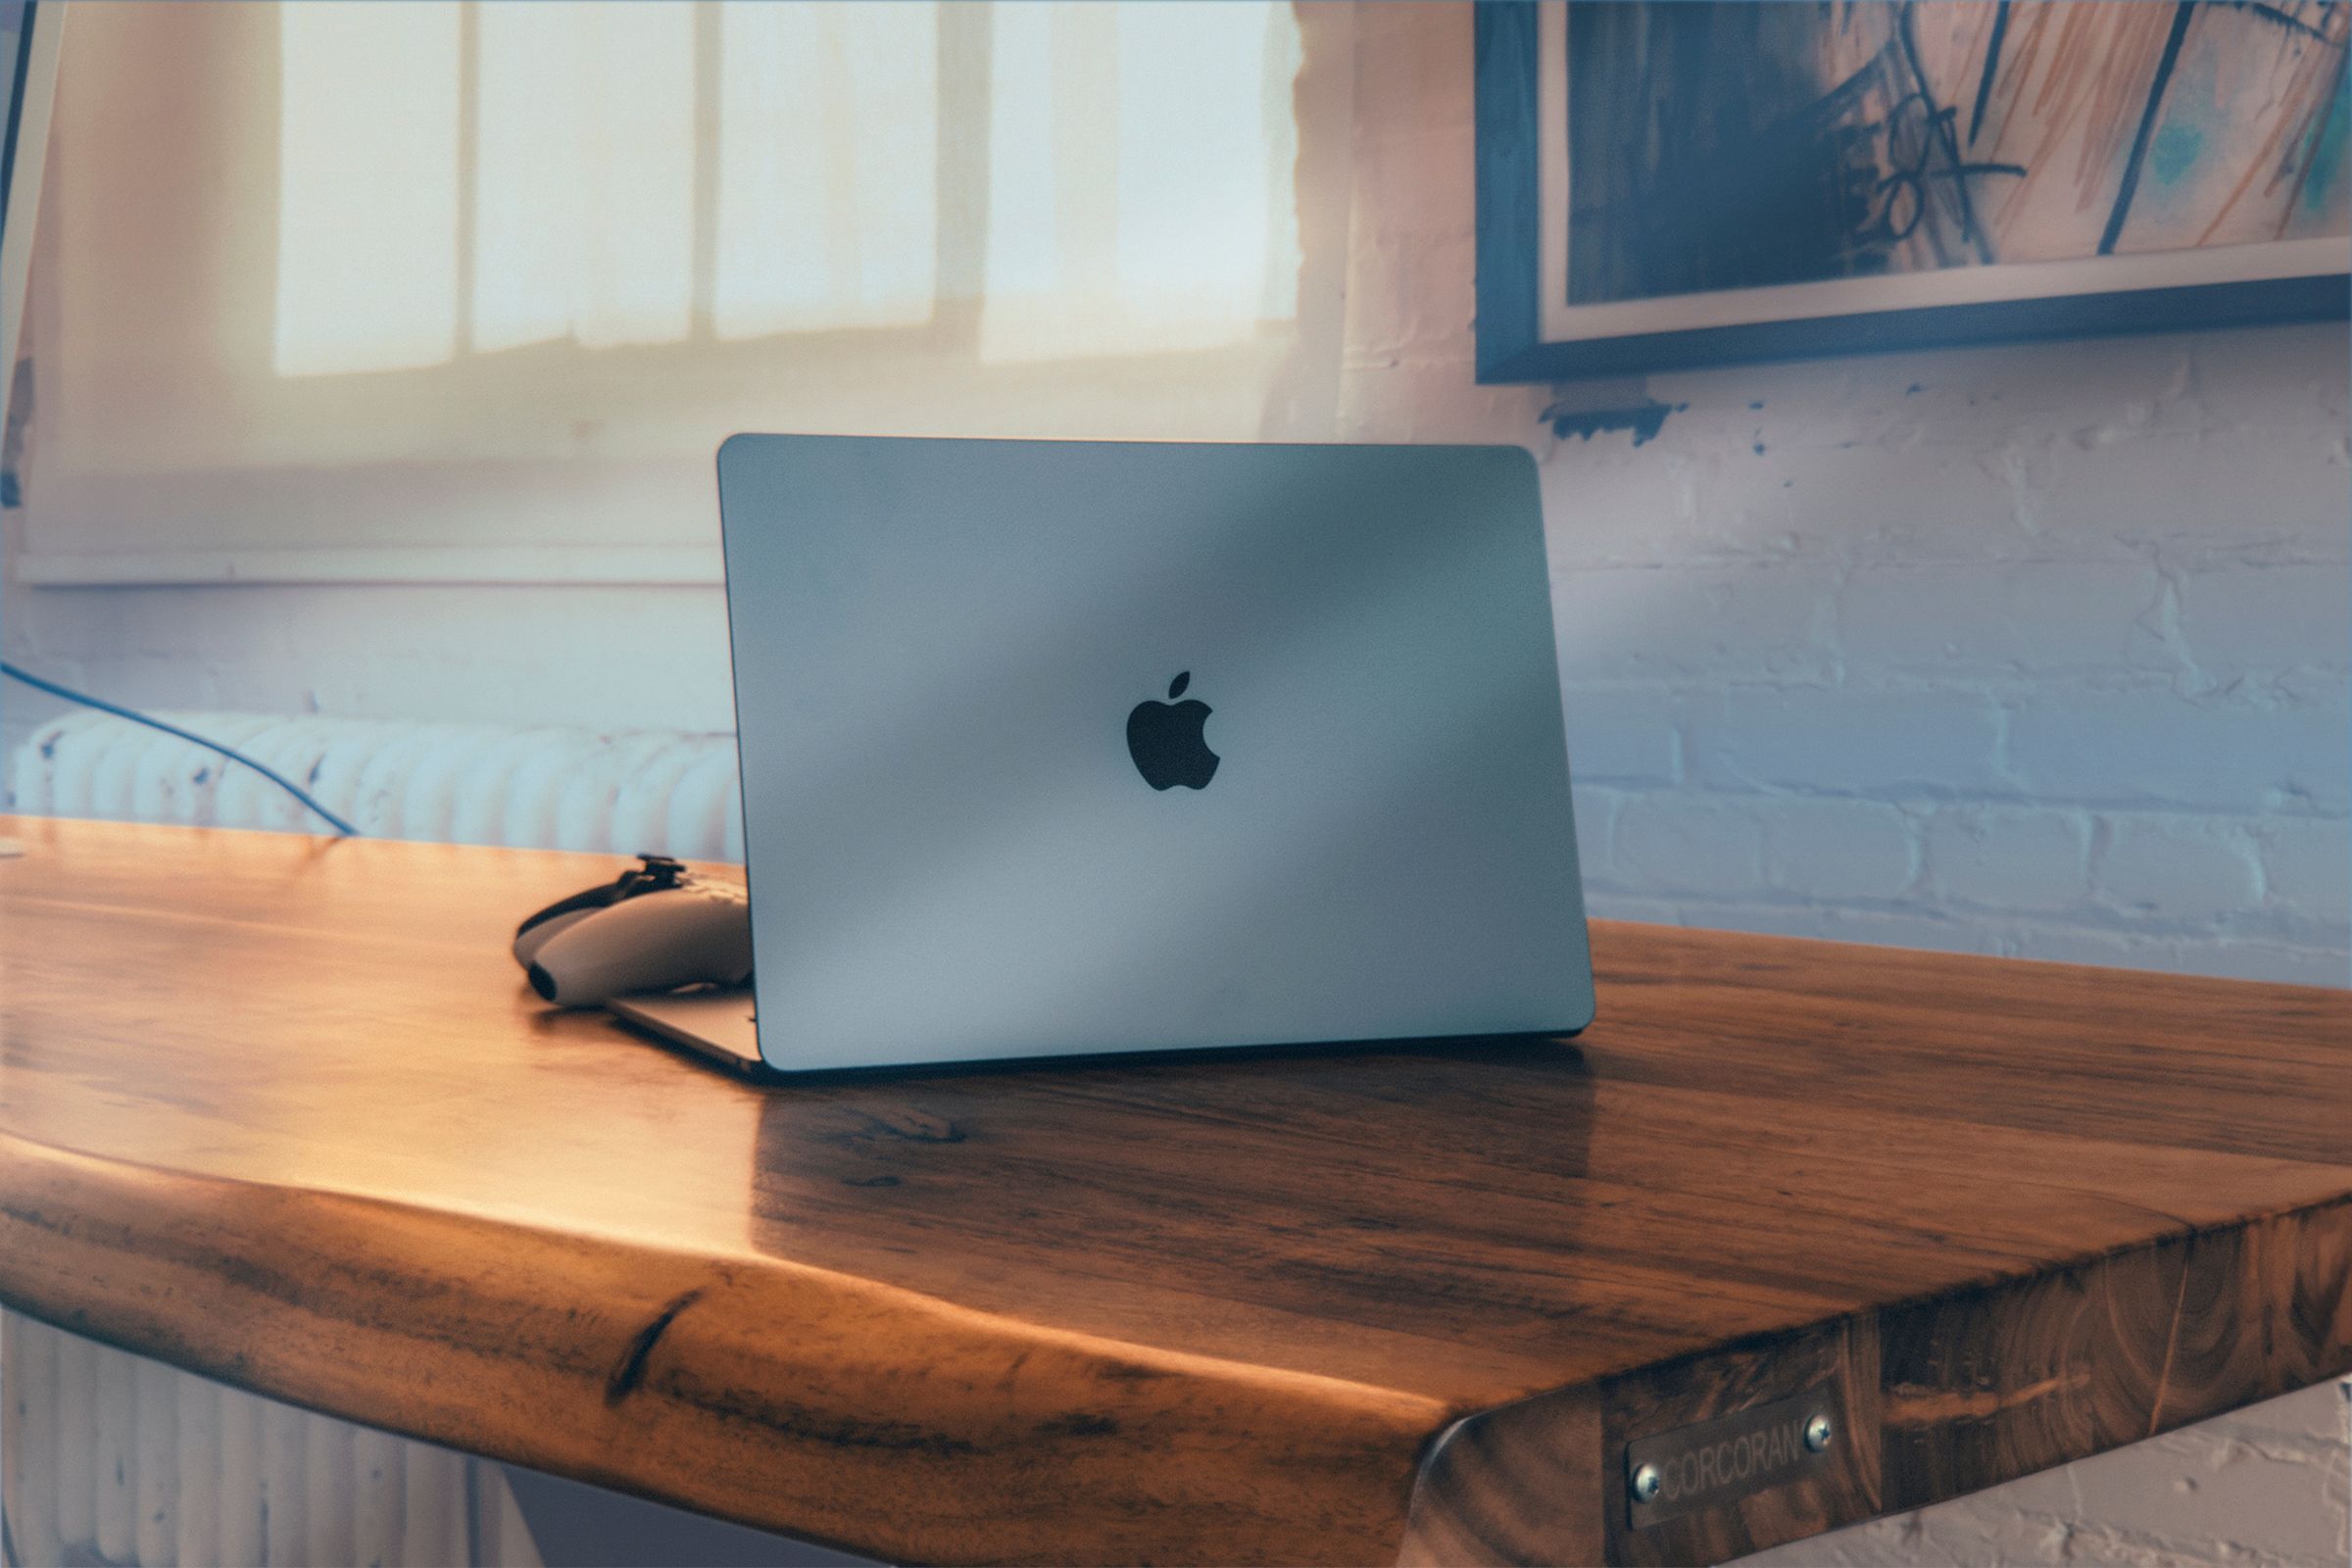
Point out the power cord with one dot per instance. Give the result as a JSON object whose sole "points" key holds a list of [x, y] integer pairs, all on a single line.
{"points": [[136, 717]]}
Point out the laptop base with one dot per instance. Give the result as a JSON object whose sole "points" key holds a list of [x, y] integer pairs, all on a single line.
{"points": [[714, 1022]]}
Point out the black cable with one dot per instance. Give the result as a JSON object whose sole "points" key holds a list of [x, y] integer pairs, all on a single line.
{"points": [[136, 717]]}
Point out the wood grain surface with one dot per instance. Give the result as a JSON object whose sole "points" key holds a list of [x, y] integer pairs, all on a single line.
{"points": [[281, 1110]]}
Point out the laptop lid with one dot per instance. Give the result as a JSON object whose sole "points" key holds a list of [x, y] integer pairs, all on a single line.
{"points": [[1064, 747]]}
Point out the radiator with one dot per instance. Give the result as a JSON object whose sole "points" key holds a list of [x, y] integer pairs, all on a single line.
{"points": [[665, 792], [106, 1458], [109, 1459]]}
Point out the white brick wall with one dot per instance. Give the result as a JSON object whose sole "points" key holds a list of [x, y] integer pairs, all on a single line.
{"points": [[2024, 860], [2039, 650], [2034, 650], [2042, 650]]}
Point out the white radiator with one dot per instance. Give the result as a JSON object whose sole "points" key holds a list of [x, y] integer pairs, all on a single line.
{"points": [[660, 791], [109, 1459]]}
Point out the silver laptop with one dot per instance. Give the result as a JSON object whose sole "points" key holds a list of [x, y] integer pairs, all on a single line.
{"points": [[1068, 748]]}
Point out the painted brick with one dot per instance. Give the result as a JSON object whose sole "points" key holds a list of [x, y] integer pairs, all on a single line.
{"points": [[2043, 390], [1595, 825], [1738, 623], [2203, 496], [2077, 616], [1603, 904], [143, 681], [2009, 857], [1863, 742], [1904, 503], [1806, 402], [2175, 867], [1394, 311], [2272, 377], [1404, 398], [1982, 621], [2287, 963], [1673, 501], [1909, 618], [2259, 623], [2218, 1500], [1749, 502], [2104, 477], [2307, 867], [1423, 184], [2056, 386], [2112, 948], [1624, 736], [2152, 745], [1776, 917], [1924, 927], [1607, 503], [2317, 1416], [1842, 922], [1838, 850], [1673, 844], [1412, 58], [2229, 958]]}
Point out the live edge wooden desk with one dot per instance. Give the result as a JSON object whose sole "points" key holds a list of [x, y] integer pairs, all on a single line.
{"points": [[278, 1110]]}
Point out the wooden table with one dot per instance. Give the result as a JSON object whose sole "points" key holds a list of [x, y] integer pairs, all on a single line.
{"points": [[280, 1111]]}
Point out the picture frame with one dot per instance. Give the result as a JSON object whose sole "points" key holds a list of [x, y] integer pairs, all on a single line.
{"points": [[1529, 329]]}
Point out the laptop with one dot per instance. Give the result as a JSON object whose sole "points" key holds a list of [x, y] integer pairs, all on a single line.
{"points": [[1058, 749]]}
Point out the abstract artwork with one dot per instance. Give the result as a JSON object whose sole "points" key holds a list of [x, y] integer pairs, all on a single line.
{"points": [[1663, 182]]}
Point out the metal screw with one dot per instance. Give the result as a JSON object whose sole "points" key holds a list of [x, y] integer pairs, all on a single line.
{"points": [[1818, 1432], [1646, 1483]]}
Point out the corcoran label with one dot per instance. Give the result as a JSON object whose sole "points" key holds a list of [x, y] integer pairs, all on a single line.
{"points": [[1711, 1463]]}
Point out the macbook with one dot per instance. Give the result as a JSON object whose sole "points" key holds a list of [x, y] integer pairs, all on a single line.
{"points": [[1061, 749]]}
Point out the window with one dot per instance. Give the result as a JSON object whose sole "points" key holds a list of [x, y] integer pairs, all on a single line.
{"points": [[405, 280]]}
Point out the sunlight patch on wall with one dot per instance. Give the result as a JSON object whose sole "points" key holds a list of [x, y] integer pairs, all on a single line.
{"points": [[1137, 199], [1143, 208], [368, 174], [584, 174], [828, 152]]}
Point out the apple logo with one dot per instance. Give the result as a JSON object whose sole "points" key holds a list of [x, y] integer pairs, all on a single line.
{"points": [[1165, 740]]}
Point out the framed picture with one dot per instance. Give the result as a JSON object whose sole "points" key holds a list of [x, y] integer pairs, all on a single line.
{"points": [[1665, 183]]}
